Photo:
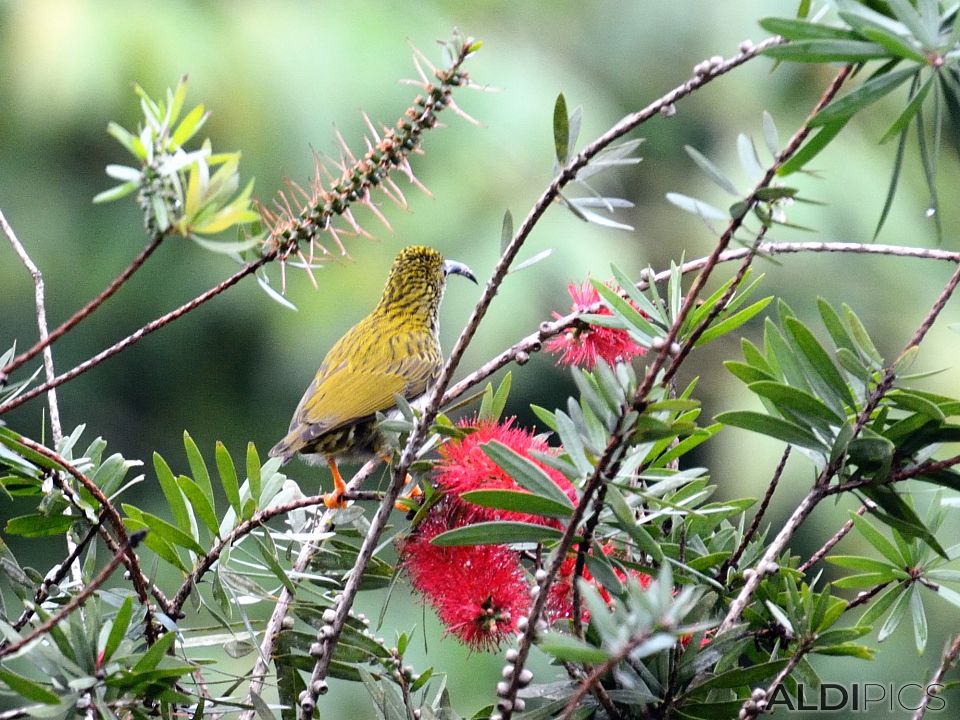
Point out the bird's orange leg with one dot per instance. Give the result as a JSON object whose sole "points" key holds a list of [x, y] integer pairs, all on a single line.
{"points": [[334, 500], [404, 502]]}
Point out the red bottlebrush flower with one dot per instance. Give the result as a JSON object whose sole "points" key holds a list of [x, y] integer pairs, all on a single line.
{"points": [[583, 344], [463, 466], [478, 591], [560, 599]]}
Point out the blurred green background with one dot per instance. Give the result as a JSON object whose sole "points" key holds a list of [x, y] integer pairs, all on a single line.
{"points": [[279, 77]]}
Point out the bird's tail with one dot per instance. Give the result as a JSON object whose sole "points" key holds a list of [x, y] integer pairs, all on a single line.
{"points": [[286, 448]]}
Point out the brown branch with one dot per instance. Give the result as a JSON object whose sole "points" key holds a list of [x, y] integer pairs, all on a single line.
{"points": [[936, 681], [132, 562], [42, 592], [204, 563], [829, 544], [87, 309], [755, 524], [77, 600], [150, 327]]}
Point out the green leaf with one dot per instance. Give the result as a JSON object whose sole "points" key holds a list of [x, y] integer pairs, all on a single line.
{"points": [[506, 230], [872, 90], [878, 540], [745, 676], [773, 427], [34, 526], [525, 472], [189, 127], [856, 562], [497, 533], [561, 129], [711, 170], [518, 501], [728, 324], [624, 310], [770, 135], [161, 527], [198, 467], [812, 148], [228, 477], [200, 504], [801, 30], [627, 522], [118, 629], [571, 649], [791, 401], [171, 491], [822, 364], [825, 50], [152, 657], [279, 572], [894, 618], [696, 207], [28, 689], [919, 619], [253, 473]]}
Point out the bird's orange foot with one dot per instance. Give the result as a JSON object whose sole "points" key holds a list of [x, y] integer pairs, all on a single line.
{"points": [[335, 500], [409, 501]]}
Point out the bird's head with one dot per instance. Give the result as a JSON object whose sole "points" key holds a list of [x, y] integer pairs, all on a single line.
{"points": [[416, 283]]}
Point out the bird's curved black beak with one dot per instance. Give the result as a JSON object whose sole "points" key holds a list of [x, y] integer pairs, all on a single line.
{"points": [[452, 267]]}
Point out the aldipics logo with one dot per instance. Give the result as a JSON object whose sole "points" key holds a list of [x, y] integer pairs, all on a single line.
{"points": [[858, 697]]}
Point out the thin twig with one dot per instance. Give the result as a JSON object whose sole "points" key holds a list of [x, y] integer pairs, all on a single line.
{"points": [[77, 600], [115, 284], [829, 544], [151, 326], [755, 524], [936, 681]]}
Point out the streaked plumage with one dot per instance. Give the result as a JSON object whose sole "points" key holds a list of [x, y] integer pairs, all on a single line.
{"points": [[395, 350]]}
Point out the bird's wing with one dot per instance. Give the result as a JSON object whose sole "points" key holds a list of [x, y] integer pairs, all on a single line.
{"points": [[350, 387]]}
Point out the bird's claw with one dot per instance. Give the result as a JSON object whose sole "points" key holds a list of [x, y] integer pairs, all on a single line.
{"points": [[335, 500]]}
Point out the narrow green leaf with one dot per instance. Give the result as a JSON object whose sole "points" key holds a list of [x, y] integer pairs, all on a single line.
{"points": [[27, 688], [878, 540], [624, 310], [571, 649], [118, 629], [770, 135], [728, 324], [812, 147], [867, 94], [518, 501], [525, 472], [161, 527], [803, 405], [171, 491], [744, 676], [802, 30], [920, 629], [773, 427], [827, 50], [200, 504], [497, 533], [695, 206], [152, 657], [198, 467], [228, 477], [253, 473], [894, 618], [506, 230], [820, 360], [278, 571], [635, 294], [561, 129]]}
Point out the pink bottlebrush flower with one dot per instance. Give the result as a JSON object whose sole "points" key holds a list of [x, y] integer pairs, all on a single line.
{"points": [[478, 591], [582, 344], [463, 466]]}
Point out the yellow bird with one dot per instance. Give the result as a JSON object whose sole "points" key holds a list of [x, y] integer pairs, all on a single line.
{"points": [[395, 350]]}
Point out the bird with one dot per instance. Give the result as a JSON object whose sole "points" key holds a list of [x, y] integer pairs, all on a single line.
{"points": [[395, 350]]}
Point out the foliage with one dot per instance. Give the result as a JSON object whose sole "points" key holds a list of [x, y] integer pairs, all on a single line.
{"points": [[598, 542]]}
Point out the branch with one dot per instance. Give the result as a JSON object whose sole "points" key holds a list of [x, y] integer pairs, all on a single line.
{"points": [[41, 324], [151, 326], [77, 600], [949, 659], [82, 313]]}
